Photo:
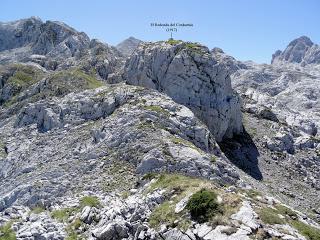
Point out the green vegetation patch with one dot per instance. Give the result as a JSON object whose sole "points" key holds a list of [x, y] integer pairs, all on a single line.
{"points": [[24, 76], [283, 210], [252, 193], [175, 182], [213, 158], [91, 81], [181, 141], [62, 215], [91, 201], [193, 47], [172, 41], [149, 176], [3, 153], [72, 80], [203, 205], [6, 233], [72, 228], [18, 78], [158, 109], [270, 216], [163, 214], [38, 210], [311, 233]]}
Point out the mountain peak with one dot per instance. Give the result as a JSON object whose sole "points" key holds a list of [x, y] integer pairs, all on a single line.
{"points": [[301, 40], [127, 46], [301, 50]]}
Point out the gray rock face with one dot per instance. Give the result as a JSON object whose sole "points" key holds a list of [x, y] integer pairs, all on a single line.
{"points": [[191, 76], [301, 50], [127, 46]]}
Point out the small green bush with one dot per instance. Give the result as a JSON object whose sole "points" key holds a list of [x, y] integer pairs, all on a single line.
{"points": [[6, 233], [90, 201], [203, 205]]}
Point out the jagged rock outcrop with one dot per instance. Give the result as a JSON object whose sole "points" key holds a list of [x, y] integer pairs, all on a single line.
{"points": [[301, 50], [127, 46], [189, 74]]}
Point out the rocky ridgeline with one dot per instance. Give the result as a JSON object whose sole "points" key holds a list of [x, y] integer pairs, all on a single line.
{"points": [[81, 158]]}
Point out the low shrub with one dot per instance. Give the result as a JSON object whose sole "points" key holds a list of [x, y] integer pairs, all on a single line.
{"points": [[203, 205]]}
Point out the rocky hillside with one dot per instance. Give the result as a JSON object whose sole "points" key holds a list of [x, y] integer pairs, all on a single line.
{"points": [[96, 143]]}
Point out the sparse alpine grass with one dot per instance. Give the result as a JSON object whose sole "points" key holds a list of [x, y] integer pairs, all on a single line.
{"points": [[62, 215], [91, 201], [172, 41], [311, 233], [6, 232]]}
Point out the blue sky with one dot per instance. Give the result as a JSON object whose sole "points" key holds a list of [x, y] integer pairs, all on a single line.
{"points": [[245, 29]]}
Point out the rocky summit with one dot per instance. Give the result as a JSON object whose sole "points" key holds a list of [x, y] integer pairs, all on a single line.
{"points": [[154, 140]]}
